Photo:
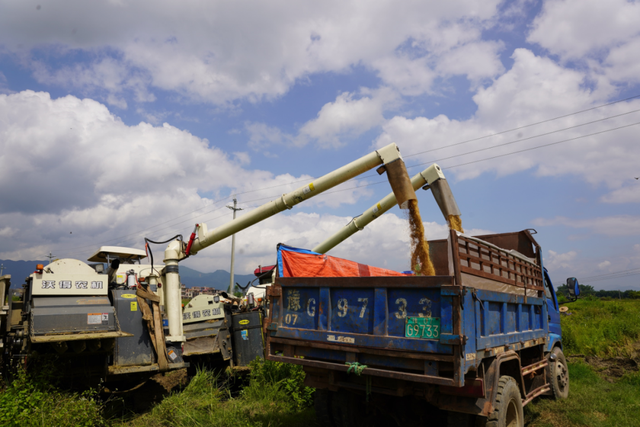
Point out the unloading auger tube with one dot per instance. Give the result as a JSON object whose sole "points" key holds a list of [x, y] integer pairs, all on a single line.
{"points": [[430, 178], [388, 156]]}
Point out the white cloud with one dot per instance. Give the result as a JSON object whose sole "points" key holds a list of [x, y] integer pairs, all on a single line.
{"points": [[73, 174], [602, 37], [7, 232], [557, 261], [346, 117], [575, 28], [476, 60], [629, 193], [408, 76], [604, 264], [218, 52], [349, 116], [533, 90], [262, 135], [622, 64]]}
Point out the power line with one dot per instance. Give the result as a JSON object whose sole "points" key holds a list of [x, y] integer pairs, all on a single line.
{"points": [[612, 277], [633, 271], [519, 151], [526, 126]]}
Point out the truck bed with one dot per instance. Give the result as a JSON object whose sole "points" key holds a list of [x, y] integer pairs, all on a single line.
{"points": [[425, 329]]}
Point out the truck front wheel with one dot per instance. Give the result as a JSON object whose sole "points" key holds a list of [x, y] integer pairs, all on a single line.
{"points": [[558, 376], [507, 409]]}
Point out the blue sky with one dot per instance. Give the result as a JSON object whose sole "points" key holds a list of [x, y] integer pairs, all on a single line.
{"points": [[121, 120]]}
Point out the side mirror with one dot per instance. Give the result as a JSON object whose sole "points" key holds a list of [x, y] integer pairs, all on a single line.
{"points": [[574, 287]]}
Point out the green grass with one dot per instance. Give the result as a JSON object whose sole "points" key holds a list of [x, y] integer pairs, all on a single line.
{"points": [[592, 402], [601, 328], [275, 396], [32, 400]]}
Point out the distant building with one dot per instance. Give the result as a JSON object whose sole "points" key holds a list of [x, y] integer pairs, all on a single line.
{"points": [[188, 293]]}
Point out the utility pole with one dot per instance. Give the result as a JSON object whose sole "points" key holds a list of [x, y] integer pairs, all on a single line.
{"points": [[1, 269], [50, 257], [233, 246]]}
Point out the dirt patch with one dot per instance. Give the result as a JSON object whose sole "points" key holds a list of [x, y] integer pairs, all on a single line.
{"points": [[420, 261], [613, 369], [610, 369], [171, 380]]}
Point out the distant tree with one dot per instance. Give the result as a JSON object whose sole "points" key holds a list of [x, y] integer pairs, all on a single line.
{"points": [[587, 290], [631, 294]]}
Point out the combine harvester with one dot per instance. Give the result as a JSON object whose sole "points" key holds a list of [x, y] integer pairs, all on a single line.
{"points": [[110, 325]]}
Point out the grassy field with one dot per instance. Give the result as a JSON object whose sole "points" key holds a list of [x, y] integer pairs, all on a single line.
{"points": [[602, 344], [274, 396], [603, 328]]}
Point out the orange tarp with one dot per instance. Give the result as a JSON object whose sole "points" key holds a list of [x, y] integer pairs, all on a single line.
{"points": [[297, 264]]}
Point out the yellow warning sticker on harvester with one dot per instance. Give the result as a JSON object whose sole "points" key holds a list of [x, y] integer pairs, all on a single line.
{"points": [[130, 296], [134, 305]]}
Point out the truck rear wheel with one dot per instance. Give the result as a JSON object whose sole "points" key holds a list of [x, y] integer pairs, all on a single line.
{"points": [[558, 376], [507, 409]]}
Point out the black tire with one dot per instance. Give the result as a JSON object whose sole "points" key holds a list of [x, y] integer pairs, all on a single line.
{"points": [[558, 375], [322, 402], [507, 409]]}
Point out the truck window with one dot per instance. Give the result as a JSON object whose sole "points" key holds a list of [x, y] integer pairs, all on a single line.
{"points": [[547, 290]]}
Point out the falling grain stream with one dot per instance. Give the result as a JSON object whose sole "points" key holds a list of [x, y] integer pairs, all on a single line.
{"points": [[420, 261]]}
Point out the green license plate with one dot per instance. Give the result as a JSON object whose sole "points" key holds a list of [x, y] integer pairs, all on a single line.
{"points": [[422, 327]]}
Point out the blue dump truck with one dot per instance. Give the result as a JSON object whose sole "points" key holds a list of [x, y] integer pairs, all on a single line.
{"points": [[469, 346]]}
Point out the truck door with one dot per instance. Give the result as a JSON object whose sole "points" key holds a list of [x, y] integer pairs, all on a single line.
{"points": [[552, 305]]}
